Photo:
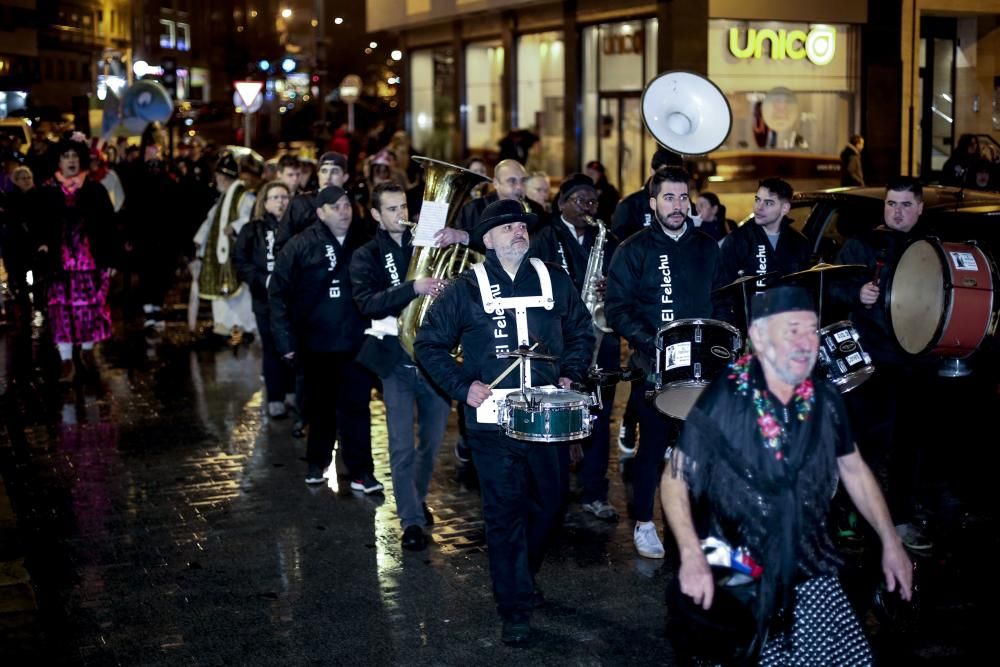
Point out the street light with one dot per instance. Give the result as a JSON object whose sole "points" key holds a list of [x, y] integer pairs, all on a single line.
{"points": [[373, 45], [288, 65], [286, 13], [397, 55], [338, 20]]}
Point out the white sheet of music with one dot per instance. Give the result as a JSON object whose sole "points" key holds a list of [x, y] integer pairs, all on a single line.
{"points": [[433, 215]]}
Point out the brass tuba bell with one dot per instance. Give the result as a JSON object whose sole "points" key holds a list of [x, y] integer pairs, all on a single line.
{"points": [[444, 183]]}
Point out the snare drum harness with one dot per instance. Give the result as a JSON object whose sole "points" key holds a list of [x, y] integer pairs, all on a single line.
{"points": [[520, 304]]}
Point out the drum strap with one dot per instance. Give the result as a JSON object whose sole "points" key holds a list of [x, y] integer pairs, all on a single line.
{"points": [[519, 304]]}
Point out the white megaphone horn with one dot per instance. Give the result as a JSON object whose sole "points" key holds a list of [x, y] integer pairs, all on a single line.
{"points": [[686, 113]]}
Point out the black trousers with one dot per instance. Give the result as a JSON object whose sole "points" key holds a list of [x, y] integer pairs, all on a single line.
{"points": [[338, 390], [656, 432], [592, 474], [277, 375], [891, 415], [522, 498]]}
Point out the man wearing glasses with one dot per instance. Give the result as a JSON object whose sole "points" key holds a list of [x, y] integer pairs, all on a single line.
{"points": [[568, 243], [510, 181]]}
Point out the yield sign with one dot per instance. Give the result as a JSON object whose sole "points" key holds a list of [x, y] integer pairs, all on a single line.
{"points": [[248, 90]]}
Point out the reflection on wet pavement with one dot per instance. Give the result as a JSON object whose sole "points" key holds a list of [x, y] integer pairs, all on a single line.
{"points": [[164, 520]]}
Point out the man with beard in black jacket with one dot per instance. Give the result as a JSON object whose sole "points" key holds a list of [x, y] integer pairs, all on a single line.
{"points": [[313, 315], [633, 213], [664, 273], [765, 244], [568, 242], [381, 291], [495, 307]]}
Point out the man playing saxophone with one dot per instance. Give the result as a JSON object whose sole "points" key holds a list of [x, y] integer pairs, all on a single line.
{"points": [[569, 242]]}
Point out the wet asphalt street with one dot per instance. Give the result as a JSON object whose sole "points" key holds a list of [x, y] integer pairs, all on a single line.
{"points": [[154, 516]]}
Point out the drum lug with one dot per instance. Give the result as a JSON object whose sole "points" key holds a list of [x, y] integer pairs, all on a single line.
{"points": [[650, 395]]}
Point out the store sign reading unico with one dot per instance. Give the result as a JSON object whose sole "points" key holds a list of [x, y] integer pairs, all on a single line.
{"points": [[818, 45]]}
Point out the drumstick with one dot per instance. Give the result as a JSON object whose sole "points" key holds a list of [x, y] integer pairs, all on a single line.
{"points": [[879, 263], [510, 369]]}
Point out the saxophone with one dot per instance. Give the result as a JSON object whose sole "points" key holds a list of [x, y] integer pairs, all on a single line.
{"points": [[594, 301]]}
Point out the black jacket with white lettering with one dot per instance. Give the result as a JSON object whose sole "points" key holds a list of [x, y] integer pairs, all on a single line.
{"points": [[251, 259], [378, 278], [741, 250], [640, 300], [457, 316], [311, 305], [556, 244]]}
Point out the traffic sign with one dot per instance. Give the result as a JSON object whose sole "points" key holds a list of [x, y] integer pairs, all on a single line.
{"points": [[255, 106], [350, 88], [247, 92]]}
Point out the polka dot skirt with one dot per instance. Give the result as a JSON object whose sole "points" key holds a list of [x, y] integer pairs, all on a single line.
{"points": [[824, 630]]}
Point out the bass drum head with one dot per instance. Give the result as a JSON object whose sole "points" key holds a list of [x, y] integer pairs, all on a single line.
{"points": [[677, 399], [917, 297]]}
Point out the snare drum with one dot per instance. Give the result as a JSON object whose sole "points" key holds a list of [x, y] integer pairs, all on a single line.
{"points": [[842, 360], [940, 298], [546, 415], [689, 355]]}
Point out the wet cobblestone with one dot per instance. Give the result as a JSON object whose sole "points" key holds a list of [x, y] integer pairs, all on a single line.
{"points": [[164, 521]]}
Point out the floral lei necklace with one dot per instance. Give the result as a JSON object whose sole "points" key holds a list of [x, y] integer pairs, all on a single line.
{"points": [[771, 431]]}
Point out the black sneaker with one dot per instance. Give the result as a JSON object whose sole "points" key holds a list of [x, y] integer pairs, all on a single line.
{"points": [[515, 633], [428, 517], [414, 539], [462, 452], [537, 598], [367, 483], [315, 475]]}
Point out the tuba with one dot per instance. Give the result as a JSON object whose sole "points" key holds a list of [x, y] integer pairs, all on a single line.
{"points": [[443, 184]]}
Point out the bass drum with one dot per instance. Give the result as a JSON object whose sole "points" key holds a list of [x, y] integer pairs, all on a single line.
{"points": [[940, 298], [689, 355]]}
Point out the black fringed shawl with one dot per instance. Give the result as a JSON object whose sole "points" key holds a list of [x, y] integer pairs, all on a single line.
{"points": [[775, 506]]}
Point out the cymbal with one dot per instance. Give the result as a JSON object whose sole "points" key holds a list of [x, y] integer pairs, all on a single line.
{"points": [[823, 267], [744, 279], [525, 353]]}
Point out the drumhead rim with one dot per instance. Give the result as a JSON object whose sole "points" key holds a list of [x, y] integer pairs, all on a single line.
{"points": [[576, 435], [700, 320]]}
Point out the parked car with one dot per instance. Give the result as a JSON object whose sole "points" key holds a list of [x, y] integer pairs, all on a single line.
{"points": [[829, 217]]}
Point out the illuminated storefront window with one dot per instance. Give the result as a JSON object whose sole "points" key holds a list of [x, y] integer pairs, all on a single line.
{"points": [[791, 86], [432, 79], [541, 92], [618, 60], [483, 102]]}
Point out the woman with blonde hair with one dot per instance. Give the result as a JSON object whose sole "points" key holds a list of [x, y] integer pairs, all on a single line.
{"points": [[254, 259]]}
